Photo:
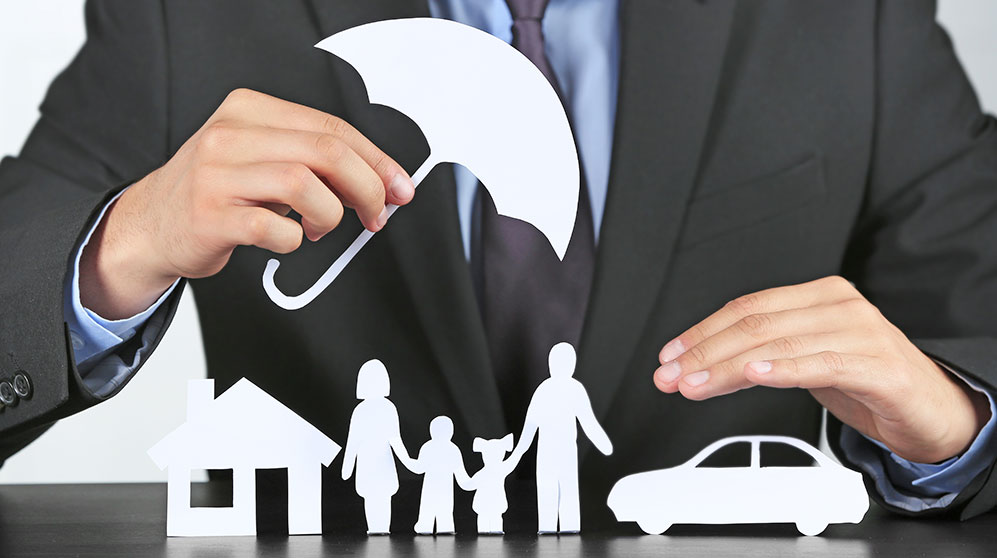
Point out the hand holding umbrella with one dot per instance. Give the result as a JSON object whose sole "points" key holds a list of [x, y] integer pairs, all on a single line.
{"points": [[481, 104]]}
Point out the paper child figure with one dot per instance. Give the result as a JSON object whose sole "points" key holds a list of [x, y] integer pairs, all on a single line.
{"points": [[374, 435], [441, 462], [556, 405], [489, 483]]}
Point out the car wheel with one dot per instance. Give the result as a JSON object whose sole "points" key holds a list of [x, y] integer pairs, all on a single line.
{"points": [[654, 527], [811, 528]]}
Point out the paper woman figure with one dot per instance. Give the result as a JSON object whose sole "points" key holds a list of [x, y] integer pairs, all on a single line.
{"points": [[374, 435], [441, 463]]}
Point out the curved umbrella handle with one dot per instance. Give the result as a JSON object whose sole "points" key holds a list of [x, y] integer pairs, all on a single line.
{"points": [[299, 301]]}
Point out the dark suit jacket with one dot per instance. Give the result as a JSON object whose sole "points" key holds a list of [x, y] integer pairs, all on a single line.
{"points": [[757, 144]]}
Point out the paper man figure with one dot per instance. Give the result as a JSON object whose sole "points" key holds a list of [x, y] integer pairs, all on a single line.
{"points": [[374, 435], [441, 462], [489, 483], [556, 405]]}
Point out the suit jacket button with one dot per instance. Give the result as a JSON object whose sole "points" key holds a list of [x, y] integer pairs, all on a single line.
{"points": [[22, 385], [7, 395]]}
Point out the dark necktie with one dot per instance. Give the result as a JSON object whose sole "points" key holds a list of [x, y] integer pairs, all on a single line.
{"points": [[529, 299]]}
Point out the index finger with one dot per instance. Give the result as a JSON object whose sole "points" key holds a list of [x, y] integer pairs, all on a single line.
{"points": [[826, 290], [272, 112]]}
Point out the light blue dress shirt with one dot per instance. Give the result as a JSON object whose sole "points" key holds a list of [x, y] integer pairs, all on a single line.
{"points": [[582, 43]]}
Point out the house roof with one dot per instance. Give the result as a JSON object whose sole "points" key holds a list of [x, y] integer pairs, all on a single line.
{"points": [[245, 426]]}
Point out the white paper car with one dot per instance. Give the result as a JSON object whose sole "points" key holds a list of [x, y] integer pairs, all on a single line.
{"points": [[810, 497]]}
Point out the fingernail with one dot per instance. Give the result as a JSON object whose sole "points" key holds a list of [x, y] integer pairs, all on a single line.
{"points": [[760, 366], [382, 219], [698, 378], [669, 372], [402, 188], [672, 350]]}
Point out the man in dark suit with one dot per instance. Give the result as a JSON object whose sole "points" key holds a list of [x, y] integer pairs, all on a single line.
{"points": [[761, 151]]}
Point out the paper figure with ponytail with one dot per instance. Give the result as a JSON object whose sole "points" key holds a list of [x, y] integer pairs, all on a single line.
{"points": [[489, 483]]}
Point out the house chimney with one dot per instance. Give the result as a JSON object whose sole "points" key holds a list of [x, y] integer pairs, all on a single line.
{"points": [[200, 394]]}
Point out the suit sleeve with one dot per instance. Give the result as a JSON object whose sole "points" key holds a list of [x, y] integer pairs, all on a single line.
{"points": [[103, 125], [923, 251]]}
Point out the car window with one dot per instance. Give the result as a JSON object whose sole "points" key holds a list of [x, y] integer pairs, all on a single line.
{"points": [[775, 454], [737, 454]]}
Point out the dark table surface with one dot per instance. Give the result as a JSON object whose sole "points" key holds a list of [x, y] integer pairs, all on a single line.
{"points": [[110, 520]]}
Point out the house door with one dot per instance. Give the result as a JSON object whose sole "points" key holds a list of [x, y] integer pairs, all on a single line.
{"points": [[271, 502]]}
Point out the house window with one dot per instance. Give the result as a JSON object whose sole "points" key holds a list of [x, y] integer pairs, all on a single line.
{"points": [[216, 493]]}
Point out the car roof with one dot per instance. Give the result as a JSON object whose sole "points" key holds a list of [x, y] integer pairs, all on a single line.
{"points": [[813, 452]]}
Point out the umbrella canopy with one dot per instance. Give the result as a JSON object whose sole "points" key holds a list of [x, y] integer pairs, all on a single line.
{"points": [[480, 103]]}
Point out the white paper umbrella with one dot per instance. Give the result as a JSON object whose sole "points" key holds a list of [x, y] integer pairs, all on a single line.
{"points": [[480, 103]]}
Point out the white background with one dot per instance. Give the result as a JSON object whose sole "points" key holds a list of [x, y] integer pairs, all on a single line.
{"points": [[107, 443]]}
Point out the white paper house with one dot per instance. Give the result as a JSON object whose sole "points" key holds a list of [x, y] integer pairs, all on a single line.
{"points": [[244, 429]]}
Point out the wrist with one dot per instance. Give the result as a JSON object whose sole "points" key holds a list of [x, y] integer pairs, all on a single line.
{"points": [[964, 415], [975, 412], [120, 275]]}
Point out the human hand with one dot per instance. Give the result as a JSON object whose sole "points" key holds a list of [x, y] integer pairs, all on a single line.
{"points": [[824, 336], [233, 183]]}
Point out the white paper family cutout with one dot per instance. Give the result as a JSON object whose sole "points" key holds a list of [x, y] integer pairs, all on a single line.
{"points": [[557, 407], [480, 103], [244, 429], [810, 497]]}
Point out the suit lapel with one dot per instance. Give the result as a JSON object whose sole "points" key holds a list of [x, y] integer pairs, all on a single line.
{"points": [[671, 56], [425, 237]]}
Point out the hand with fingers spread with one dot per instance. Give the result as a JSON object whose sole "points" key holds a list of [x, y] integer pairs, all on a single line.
{"points": [[824, 336], [233, 183]]}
